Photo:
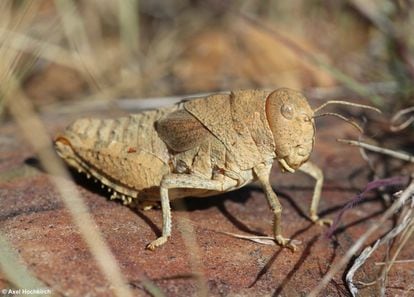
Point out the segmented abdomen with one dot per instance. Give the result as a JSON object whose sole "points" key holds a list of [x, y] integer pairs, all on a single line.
{"points": [[125, 154]]}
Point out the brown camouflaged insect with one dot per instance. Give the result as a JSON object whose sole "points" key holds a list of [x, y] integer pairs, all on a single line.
{"points": [[200, 148]]}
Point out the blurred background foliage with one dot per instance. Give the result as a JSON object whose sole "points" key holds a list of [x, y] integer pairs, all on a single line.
{"points": [[59, 50]]}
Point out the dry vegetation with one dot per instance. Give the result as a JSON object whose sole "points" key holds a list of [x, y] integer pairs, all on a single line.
{"points": [[94, 52]]}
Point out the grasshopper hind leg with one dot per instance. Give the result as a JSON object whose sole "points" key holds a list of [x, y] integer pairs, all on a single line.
{"points": [[183, 181], [166, 220]]}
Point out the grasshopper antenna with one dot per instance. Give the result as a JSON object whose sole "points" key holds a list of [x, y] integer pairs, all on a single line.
{"points": [[346, 103], [341, 116]]}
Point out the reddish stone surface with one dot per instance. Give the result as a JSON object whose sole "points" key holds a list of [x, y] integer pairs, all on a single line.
{"points": [[33, 219]]}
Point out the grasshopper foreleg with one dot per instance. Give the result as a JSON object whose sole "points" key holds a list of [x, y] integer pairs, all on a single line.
{"points": [[314, 171], [262, 172]]}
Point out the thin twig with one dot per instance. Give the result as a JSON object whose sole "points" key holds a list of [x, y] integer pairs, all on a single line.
{"points": [[409, 228], [377, 149], [367, 252], [362, 258], [408, 261], [361, 240], [267, 240], [394, 127]]}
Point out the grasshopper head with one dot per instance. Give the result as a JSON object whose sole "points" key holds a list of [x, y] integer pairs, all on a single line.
{"points": [[291, 120]]}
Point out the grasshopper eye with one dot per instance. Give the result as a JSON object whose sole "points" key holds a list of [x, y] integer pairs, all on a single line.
{"points": [[287, 111]]}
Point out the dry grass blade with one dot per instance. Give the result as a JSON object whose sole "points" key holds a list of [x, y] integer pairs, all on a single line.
{"points": [[321, 93], [77, 37], [406, 194], [15, 272], [408, 229], [23, 113], [129, 27], [33, 130], [11, 57], [50, 52], [186, 228], [405, 227], [367, 252], [314, 59]]}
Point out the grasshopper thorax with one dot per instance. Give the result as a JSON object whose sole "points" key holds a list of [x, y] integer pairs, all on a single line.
{"points": [[291, 120]]}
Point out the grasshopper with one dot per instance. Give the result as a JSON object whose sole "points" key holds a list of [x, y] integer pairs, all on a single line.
{"points": [[200, 148]]}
